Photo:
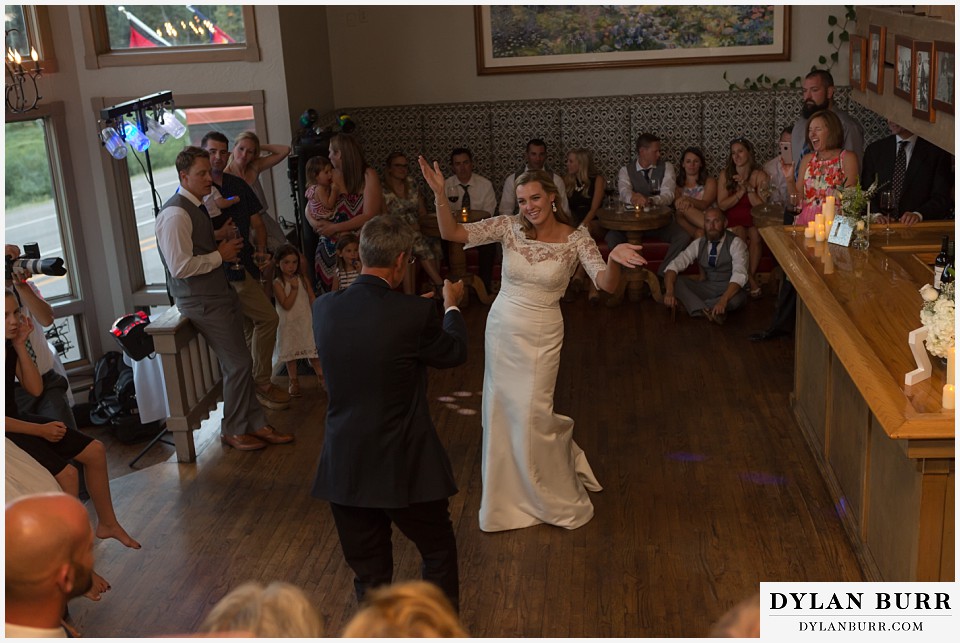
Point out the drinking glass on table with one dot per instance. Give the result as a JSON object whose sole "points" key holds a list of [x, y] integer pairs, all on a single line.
{"points": [[654, 199], [794, 203], [262, 259], [888, 209], [234, 233]]}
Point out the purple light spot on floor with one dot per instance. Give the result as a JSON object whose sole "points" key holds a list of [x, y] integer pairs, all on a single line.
{"points": [[463, 393], [446, 398], [683, 456], [841, 507], [757, 477], [466, 412]]}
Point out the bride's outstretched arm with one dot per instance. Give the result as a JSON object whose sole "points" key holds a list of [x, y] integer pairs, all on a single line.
{"points": [[625, 254], [450, 229]]}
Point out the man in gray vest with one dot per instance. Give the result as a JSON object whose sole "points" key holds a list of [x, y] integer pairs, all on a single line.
{"points": [[650, 181], [722, 257], [192, 259]]}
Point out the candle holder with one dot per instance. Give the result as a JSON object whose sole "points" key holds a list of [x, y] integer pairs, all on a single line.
{"points": [[21, 82], [861, 233]]}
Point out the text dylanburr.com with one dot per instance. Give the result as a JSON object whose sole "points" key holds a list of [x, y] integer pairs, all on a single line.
{"points": [[858, 611]]}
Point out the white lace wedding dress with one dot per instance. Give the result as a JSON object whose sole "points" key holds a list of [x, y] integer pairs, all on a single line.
{"points": [[533, 471]]}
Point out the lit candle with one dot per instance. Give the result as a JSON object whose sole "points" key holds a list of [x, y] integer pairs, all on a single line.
{"points": [[810, 231], [35, 58], [464, 215], [951, 374], [818, 218], [821, 233], [828, 207], [860, 224], [949, 393]]}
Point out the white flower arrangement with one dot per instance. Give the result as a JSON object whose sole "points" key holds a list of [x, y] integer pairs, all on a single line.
{"points": [[937, 315]]}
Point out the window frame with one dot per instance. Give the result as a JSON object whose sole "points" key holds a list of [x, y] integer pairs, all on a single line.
{"points": [[117, 180], [77, 304], [98, 53]]}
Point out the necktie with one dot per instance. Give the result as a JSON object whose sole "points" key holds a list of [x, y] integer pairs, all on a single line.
{"points": [[899, 171], [203, 209], [465, 203], [712, 260], [646, 173]]}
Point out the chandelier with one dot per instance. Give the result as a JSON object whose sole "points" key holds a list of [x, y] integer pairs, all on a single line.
{"points": [[21, 82]]}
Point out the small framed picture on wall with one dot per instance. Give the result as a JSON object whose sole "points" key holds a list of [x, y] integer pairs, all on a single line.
{"points": [[877, 44], [858, 62], [942, 76], [922, 70], [903, 67]]}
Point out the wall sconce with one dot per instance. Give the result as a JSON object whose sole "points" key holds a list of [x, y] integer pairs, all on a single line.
{"points": [[21, 82]]}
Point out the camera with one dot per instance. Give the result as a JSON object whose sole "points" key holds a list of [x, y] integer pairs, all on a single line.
{"points": [[30, 261]]}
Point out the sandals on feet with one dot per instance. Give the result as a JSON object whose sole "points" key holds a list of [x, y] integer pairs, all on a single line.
{"points": [[294, 389]]}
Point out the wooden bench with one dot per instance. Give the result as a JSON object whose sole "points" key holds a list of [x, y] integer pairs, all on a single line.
{"points": [[191, 374]]}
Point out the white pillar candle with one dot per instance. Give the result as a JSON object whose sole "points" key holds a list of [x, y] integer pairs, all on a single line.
{"points": [[949, 394]]}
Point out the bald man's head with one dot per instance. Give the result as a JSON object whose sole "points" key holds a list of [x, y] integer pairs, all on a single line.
{"points": [[49, 548]]}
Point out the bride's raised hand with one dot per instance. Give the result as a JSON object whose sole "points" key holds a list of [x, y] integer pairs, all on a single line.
{"points": [[628, 254], [433, 175]]}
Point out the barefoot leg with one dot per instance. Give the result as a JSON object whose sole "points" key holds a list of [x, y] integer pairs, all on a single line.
{"points": [[100, 585], [94, 461]]}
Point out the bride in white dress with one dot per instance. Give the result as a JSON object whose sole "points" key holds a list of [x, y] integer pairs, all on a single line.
{"points": [[533, 471]]}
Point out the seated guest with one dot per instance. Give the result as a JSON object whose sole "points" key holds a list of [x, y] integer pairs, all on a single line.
{"points": [[585, 187], [534, 159], [401, 198], [50, 442], [415, 609], [49, 560], [737, 194], [636, 183], [722, 258], [279, 610], [825, 168], [474, 192], [923, 186], [778, 170], [697, 191]]}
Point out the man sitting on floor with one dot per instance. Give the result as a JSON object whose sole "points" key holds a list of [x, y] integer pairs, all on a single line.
{"points": [[722, 257]]}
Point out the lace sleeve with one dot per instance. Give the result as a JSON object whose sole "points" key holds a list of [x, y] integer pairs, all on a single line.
{"points": [[487, 230], [589, 254]]}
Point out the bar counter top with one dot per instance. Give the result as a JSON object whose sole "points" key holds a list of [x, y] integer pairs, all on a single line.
{"points": [[866, 303]]}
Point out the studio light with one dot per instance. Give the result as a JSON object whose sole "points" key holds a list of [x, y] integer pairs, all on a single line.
{"points": [[174, 127], [114, 144], [155, 131], [135, 137]]}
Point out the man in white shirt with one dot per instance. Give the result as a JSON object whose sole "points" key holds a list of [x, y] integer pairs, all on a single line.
{"points": [[192, 259], [650, 181], [473, 192], [534, 159], [722, 257], [49, 560]]}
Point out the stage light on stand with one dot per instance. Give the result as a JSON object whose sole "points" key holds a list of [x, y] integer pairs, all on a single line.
{"points": [[113, 143], [174, 127], [155, 131], [135, 137]]}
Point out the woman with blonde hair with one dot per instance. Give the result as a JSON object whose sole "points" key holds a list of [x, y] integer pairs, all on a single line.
{"points": [[279, 610], [248, 160], [415, 609], [584, 187]]}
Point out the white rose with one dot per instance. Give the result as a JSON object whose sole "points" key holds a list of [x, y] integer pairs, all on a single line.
{"points": [[929, 293]]}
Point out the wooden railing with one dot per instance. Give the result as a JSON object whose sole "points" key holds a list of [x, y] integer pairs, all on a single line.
{"points": [[191, 375]]}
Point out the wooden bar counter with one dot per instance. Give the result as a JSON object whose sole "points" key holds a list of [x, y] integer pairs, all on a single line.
{"points": [[886, 450]]}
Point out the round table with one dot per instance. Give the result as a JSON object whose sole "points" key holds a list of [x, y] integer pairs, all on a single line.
{"points": [[767, 214], [455, 253], [633, 223]]}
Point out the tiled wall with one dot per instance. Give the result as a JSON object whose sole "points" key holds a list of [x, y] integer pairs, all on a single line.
{"points": [[497, 131]]}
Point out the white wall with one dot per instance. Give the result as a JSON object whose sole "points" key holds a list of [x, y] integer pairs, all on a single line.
{"points": [[403, 55], [78, 86]]}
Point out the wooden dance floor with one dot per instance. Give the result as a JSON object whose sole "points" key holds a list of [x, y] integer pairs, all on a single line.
{"points": [[709, 489]]}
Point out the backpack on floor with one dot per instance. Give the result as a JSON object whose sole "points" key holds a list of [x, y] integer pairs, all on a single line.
{"points": [[113, 396]]}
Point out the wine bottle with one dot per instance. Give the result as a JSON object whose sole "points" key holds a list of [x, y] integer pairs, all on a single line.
{"points": [[948, 270], [940, 262]]}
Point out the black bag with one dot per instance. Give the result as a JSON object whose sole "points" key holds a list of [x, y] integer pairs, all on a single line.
{"points": [[113, 400]]}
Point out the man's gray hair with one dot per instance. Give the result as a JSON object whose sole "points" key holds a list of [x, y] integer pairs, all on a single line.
{"points": [[382, 239]]}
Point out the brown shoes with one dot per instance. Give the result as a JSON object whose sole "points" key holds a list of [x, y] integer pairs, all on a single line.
{"points": [[274, 398], [271, 435], [242, 442]]}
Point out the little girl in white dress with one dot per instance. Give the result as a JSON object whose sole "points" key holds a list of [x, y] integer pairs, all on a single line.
{"points": [[294, 302]]}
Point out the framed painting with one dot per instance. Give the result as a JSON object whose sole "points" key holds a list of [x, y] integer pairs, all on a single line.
{"points": [[903, 68], [922, 66], [942, 87], [516, 38], [858, 62], [877, 42]]}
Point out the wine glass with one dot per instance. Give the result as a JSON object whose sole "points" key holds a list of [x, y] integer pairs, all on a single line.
{"points": [[654, 194], [888, 208], [262, 259], [794, 202], [234, 233], [763, 191]]}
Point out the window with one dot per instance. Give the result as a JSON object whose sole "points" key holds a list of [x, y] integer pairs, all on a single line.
{"points": [[40, 198], [163, 34], [229, 120], [32, 31]]}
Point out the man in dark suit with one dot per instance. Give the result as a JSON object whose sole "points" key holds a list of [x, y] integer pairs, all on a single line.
{"points": [[382, 460], [924, 188]]}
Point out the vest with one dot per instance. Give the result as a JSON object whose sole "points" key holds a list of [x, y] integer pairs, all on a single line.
{"points": [[640, 183], [211, 283], [724, 268]]}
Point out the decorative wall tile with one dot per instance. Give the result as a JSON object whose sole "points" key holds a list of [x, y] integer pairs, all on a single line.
{"points": [[747, 116], [600, 125], [460, 125], [513, 123], [382, 130], [675, 118]]}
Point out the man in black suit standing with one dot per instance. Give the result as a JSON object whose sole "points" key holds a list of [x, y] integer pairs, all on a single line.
{"points": [[919, 174], [382, 460]]}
